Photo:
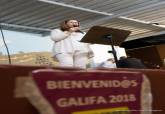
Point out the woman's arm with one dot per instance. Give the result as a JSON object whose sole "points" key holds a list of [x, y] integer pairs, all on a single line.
{"points": [[57, 35]]}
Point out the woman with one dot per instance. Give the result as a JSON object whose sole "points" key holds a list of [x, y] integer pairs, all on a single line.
{"points": [[67, 48]]}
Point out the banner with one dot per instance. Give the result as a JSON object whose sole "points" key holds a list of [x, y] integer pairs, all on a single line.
{"points": [[79, 92]]}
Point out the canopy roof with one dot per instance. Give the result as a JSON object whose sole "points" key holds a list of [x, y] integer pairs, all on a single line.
{"points": [[142, 17]]}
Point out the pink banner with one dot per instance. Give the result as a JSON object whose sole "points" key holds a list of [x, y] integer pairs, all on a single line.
{"points": [[90, 92]]}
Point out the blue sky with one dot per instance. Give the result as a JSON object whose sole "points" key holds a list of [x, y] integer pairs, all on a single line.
{"points": [[26, 42]]}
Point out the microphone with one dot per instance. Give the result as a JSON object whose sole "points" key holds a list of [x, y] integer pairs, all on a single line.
{"points": [[78, 30], [75, 25]]}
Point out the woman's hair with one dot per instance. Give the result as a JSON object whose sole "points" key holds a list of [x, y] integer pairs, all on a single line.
{"points": [[64, 26]]}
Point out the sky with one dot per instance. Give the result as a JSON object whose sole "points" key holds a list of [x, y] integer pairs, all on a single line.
{"points": [[26, 42]]}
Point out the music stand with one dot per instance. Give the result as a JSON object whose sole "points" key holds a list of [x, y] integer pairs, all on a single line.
{"points": [[106, 36]]}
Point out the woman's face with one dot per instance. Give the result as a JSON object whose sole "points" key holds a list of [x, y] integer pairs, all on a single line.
{"points": [[72, 23]]}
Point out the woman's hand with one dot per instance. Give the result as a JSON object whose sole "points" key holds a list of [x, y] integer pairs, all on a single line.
{"points": [[90, 54]]}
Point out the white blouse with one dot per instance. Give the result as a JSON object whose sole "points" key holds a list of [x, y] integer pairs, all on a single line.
{"points": [[65, 42]]}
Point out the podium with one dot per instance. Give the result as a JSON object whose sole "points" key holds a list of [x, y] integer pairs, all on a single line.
{"points": [[106, 36]]}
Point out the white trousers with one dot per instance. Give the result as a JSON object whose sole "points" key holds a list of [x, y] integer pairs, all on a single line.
{"points": [[76, 59]]}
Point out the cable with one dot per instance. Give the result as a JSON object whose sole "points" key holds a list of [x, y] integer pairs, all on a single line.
{"points": [[3, 38]]}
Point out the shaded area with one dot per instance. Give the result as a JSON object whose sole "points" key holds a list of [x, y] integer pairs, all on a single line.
{"points": [[143, 42]]}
